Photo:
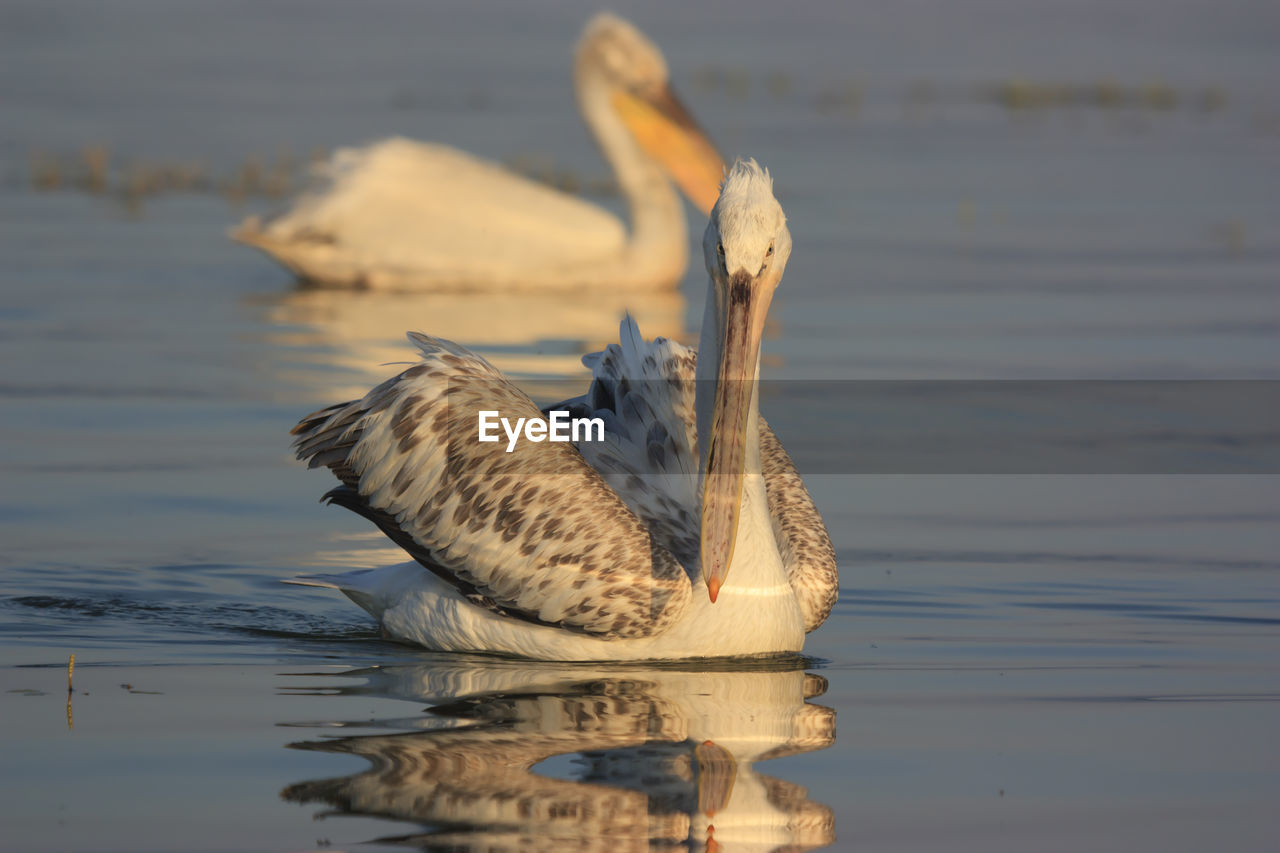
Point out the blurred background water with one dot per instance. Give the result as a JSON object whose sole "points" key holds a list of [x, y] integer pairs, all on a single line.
{"points": [[977, 190]]}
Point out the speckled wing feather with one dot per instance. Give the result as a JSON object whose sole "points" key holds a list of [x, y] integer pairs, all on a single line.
{"points": [[645, 391], [807, 553], [535, 532]]}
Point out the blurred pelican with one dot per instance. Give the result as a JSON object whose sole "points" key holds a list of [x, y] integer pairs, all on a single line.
{"points": [[664, 757], [407, 215]]}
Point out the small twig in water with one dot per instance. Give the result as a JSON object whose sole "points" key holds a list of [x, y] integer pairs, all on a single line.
{"points": [[71, 668]]}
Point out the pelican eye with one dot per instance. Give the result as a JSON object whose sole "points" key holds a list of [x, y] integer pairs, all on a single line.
{"points": [[720, 249], [769, 254]]}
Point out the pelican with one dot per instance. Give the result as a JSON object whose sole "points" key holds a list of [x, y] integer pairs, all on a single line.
{"points": [[686, 532], [407, 215]]}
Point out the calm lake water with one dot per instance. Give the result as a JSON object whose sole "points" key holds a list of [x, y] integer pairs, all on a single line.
{"points": [[984, 190]]}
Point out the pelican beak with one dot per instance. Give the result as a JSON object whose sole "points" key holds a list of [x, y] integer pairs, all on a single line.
{"points": [[742, 303], [664, 129]]}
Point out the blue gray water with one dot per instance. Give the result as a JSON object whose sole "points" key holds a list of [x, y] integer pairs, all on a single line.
{"points": [[981, 190]]}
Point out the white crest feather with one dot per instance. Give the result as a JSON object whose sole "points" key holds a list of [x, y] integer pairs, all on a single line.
{"points": [[747, 217]]}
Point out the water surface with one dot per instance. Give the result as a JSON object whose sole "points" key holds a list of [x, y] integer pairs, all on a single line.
{"points": [[1015, 661]]}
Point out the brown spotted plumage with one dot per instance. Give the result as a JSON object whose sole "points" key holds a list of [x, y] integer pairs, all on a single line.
{"points": [[486, 520], [807, 553], [650, 405]]}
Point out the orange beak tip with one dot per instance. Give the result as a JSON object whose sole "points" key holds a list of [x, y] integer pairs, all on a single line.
{"points": [[713, 588]]}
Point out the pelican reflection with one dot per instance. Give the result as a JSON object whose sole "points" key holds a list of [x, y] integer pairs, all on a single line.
{"points": [[339, 340], [536, 757]]}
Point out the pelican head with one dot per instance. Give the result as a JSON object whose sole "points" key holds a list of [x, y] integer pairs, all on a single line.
{"points": [[616, 60], [746, 246]]}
